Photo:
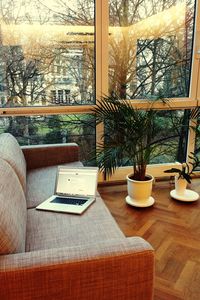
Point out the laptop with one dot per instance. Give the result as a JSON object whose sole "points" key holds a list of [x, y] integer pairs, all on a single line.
{"points": [[75, 190]]}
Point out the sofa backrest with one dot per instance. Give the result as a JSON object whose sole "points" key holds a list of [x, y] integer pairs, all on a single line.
{"points": [[11, 152], [13, 211]]}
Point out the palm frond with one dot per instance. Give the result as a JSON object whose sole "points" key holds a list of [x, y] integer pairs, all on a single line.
{"points": [[195, 113], [173, 170], [109, 159]]}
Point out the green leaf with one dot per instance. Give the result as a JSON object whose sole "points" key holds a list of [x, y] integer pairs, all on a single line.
{"points": [[173, 170], [187, 177]]}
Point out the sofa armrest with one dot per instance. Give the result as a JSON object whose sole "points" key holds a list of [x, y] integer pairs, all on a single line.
{"points": [[116, 269], [48, 155]]}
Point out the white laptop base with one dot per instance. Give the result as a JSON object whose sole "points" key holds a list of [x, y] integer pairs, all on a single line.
{"points": [[67, 208], [75, 190]]}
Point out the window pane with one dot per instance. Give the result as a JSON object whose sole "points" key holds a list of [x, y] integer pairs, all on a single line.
{"points": [[34, 130], [47, 52], [150, 48], [166, 141], [172, 131]]}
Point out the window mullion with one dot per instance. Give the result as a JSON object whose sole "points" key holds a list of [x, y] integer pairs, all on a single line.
{"points": [[195, 84], [191, 138], [198, 81], [102, 20]]}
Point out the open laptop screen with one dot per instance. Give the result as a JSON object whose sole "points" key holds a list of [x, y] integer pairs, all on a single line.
{"points": [[79, 181]]}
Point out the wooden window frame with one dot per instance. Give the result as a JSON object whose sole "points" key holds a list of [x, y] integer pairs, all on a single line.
{"points": [[101, 37]]}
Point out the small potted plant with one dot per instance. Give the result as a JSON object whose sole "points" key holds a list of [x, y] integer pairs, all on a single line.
{"points": [[183, 177]]}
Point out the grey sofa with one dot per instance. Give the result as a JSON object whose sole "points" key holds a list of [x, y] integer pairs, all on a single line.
{"points": [[47, 255]]}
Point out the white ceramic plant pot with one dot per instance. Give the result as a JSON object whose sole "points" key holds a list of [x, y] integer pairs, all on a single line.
{"points": [[180, 185], [139, 191]]}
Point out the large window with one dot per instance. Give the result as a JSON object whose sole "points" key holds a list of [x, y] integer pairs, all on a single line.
{"points": [[58, 56]]}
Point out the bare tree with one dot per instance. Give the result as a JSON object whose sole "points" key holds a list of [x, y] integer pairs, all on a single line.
{"points": [[145, 61]]}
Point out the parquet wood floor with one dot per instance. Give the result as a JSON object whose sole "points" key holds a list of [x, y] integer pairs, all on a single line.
{"points": [[172, 228]]}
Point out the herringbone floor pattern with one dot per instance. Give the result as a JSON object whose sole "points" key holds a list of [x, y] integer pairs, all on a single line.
{"points": [[173, 229]]}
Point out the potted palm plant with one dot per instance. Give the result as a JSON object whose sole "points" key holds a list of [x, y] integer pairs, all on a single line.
{"points": [[129, 139]]}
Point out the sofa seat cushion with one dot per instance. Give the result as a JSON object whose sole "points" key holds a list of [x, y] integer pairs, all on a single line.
{"points": [[13, 212], [41, 183], [11, 152], [54, 230]]}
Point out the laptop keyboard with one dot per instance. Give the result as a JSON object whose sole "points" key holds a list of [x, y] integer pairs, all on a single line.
{"points": [[69, 201]]}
